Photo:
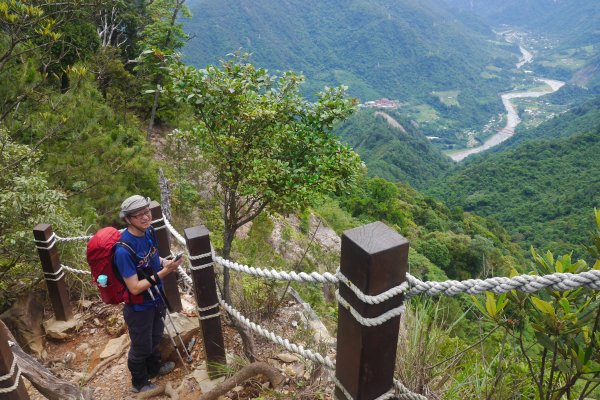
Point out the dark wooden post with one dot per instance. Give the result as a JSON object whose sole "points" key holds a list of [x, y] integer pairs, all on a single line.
{"points": [[164, 250], [205, 290], [45, 242], [375, 259], [8, 377]]}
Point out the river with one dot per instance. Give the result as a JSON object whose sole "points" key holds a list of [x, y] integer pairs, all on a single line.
{"points": [[512, 118]]}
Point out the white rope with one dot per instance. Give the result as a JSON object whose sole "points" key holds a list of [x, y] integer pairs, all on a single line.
{"points": [[281, 275], [75, 271], [209, 316], [523, 283], [198, 267], [405, 394], [185, 276], [58, 275], [199, 256], [11, 372], [308, 354], [387, 395], [208, 307], [9, 375], [51, 241], [375, 321], [380, 298], [73, 239], [176, 234]]}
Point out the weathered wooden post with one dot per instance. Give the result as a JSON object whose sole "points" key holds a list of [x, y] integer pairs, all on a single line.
{"points": [[11, 384], [205, 290], [374, 259], [45, 241], [164, 250]]}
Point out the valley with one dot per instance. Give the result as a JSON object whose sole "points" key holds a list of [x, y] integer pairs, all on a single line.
{"points": [[512, 119]]}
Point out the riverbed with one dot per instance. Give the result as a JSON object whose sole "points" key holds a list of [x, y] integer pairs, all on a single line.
{"points": [[512, 117]]}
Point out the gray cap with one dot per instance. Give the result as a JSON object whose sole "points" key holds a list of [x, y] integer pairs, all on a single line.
{"points": [[132, 204]]}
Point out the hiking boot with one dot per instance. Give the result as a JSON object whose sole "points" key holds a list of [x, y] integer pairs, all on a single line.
{"points": [[144, 388], [166, 368]]}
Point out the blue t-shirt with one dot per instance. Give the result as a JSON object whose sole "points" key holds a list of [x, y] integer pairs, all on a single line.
{"points": [[147, 257]]}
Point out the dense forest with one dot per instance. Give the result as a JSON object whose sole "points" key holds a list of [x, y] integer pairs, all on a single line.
{"points": [[542, 185], [96, 104], [393, 148], [403, 50]]}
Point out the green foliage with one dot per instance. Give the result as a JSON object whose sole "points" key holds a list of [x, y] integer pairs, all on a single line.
{"points": [[556, 331], [395, 153], [405, 51], [26, 199], [263, 139], [540, 191], [462, 245]]}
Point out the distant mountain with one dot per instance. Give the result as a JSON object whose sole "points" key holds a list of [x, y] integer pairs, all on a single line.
{"points": [[575, 24], [399, 49], [543, 191], [392, 148]]}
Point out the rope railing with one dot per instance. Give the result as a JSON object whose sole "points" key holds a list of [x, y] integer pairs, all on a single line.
{"points": [[408, 289], [524, 283], [308, 354]]}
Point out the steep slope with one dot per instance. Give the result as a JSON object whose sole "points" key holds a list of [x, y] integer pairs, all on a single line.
{"points": [[379, 48], [392, 148], [543, 191]]}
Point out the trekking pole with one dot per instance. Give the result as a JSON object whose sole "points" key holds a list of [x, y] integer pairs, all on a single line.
{"points": [[163, 297], [189, 358]]}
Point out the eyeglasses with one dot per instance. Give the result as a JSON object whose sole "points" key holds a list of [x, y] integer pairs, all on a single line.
{"points": [[143, 214]]}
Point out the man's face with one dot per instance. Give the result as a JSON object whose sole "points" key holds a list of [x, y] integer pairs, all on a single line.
{"points": [[141, 219]]}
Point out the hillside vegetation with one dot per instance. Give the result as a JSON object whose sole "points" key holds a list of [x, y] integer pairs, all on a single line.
{"points": [[401, 50], [89, 116], [392, 148], [542, 191]]}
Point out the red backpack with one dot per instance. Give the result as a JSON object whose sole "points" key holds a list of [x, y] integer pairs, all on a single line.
{"points": [[100, 254]]}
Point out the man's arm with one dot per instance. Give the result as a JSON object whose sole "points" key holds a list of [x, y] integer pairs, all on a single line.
{"points": [[137, 286]]}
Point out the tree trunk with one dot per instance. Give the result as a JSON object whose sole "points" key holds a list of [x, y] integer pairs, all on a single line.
{"points": [[42, 379], [245, 334], [165, 194], [154, 108]]}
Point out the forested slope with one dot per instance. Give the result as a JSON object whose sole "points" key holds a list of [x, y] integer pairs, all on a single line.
{"points": [[394, 152], [402, 50], [543, 192]]}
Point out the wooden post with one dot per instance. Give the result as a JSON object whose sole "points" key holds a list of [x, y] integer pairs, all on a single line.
{"points": [[375, 259], [8, 377], [205, 290], [164, 250], [45, 242]]}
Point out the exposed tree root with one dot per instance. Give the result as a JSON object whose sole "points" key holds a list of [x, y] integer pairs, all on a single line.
{"points": [[162, 389], [101, 366], [249, 371]]}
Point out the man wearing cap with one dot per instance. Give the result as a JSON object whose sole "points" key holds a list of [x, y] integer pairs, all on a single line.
{"points": [[142, 275]]}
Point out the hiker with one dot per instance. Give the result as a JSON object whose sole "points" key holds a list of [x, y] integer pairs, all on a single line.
{"points": [[142, 274]]}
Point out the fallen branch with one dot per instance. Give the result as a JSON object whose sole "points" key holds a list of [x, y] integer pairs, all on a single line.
{"points": [[249, 371], [42, 379]]}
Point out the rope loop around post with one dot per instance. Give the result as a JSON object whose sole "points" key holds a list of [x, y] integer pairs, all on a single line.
{"points": [[14, 367]]}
